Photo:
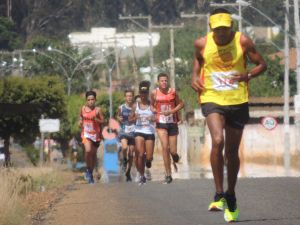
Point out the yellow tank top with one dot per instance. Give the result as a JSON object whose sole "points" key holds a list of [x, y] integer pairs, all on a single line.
{"points": [[220, 62]]}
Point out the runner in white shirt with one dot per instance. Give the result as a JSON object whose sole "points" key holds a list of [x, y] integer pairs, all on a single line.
{"points": [[144, 130]]}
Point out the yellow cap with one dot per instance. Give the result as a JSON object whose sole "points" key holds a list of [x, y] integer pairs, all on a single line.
{"points": [[220, 20]]}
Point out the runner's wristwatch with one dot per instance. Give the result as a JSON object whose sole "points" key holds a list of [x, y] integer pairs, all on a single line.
{"points": [[249, 76]]}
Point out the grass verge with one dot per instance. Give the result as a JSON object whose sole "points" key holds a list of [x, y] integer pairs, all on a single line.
{"points": [[19, 190]]}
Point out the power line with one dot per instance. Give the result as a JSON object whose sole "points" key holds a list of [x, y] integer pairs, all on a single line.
{"points": [[149, 29]]}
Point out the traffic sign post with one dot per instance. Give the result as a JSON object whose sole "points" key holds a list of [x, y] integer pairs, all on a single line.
{"points": [[47, 126]]}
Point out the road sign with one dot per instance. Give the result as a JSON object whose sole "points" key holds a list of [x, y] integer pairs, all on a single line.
{"points": [[49, 125], [269, 122]]}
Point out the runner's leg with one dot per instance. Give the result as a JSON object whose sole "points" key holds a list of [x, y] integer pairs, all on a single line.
{"points": [[173, 144], [163, 137], [149, 150], [140, 150], [233, 138], [216, 123], [124, 146]]}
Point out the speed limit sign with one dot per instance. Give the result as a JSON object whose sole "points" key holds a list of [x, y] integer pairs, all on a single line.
{"points": [[269, 122]]}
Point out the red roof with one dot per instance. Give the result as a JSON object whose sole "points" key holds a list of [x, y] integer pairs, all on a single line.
{"points": [[292, 55]]}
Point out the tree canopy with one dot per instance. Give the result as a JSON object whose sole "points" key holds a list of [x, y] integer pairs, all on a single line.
{"points": [[29, 98]]}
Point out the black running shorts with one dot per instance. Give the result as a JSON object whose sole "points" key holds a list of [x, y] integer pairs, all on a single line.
{"points": [[236, 116], [129, 137], [145, 136], [171, 128]]}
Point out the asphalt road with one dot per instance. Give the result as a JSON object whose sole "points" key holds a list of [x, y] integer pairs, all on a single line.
{"points": [[262, 201]]}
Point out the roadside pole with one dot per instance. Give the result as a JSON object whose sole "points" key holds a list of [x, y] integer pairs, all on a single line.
{"points": [[172, 52], [286, 93], [42, 145], [47, 126]]}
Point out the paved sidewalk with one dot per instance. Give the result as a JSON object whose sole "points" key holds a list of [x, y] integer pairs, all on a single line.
{"points": [[262, 201]]}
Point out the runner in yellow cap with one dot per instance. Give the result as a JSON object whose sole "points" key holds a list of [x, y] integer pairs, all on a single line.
{"points": [[221, 79]]}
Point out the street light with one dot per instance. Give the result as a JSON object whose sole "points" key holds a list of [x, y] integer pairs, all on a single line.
{"points": [[34, 51], [110, 70], [51, 49], [78, 64]]}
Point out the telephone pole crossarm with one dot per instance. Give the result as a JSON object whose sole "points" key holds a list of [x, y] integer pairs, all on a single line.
{"points": [[196, 15]]}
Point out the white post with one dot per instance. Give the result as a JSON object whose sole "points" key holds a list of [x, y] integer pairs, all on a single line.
{"points": [[172, 59], [240, 17], [286, 93], [151, 50], [297, 42], [42, 146], [117, 58]]}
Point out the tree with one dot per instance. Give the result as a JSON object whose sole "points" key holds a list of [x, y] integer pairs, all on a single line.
{"points": [[9, 39], [23, 101], [271, 83], [103, 102]]}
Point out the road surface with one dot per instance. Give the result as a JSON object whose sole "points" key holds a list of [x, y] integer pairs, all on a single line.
{"points": [[262, 201]]}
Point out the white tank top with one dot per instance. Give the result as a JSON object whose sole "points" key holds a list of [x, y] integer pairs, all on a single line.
{"points": [[143, 123]]}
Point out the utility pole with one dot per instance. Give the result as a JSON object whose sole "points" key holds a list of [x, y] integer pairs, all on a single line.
{"points": [[297, 40], [297, 97], [9, 8], [41, 161], [172, 58], [117, 53], [134, 65], [286, 119], [117, 57], [238, 3], [134, 19], [195, 15]]}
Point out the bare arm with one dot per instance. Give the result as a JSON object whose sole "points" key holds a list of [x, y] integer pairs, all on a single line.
{"points": [[198, 61], [153, 101], [119, 116], [132, 116], [80, 118], [255, 57], [99, 118]]}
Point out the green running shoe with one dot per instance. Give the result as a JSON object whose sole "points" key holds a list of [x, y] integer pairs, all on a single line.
{"points": [[218, 204], [231, 216], [231, 213]]}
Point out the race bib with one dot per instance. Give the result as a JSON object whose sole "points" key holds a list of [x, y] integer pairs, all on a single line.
{"points": [[89, 131], [222, 81], [129, 128], [90, 136], [88, 127], [163, 118], [143, 121]]}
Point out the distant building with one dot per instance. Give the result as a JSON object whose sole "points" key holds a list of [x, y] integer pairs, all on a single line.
{"points": [[103, 38], [292, 58], [262, 33]]}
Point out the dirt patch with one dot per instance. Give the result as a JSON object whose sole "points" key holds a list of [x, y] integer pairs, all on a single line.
{"points": [[41, 202]]}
